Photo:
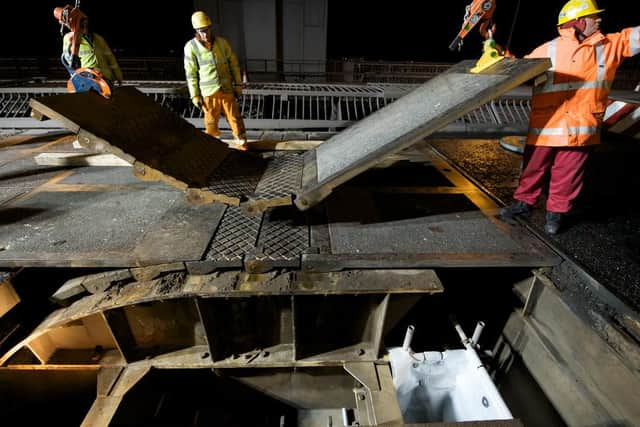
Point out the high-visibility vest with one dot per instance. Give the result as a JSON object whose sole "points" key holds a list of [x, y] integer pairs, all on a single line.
{"points": [[569, 107], [209, 70], [94, 53]]}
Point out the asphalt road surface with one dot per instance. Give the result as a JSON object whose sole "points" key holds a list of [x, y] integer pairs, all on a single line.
{"points": [[602, 235]]}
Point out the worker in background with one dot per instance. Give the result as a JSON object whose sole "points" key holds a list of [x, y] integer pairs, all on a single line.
{"points": [[94, 53], [213, 78], [567, 110]]}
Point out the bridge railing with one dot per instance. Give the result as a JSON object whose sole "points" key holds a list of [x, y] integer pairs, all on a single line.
{"points": [[286, 106], [17, 69]]}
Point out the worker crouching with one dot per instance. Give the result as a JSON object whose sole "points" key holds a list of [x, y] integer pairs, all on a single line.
{"points": [[213, 78]]}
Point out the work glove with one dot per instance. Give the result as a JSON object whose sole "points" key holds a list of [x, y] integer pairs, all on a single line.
{"points": [[198, 101], [75, 62]]}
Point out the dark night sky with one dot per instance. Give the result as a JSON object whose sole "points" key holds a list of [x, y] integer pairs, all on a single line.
{"points": [[423, 34], [399, 30], [133, 27]]}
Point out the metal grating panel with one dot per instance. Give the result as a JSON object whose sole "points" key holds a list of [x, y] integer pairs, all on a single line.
{"points": [[238, 175], [236, 236], [425, 110], [284, 235], [282, 178]]}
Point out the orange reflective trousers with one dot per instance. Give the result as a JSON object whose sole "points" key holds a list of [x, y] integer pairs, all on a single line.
{"points": [[226, 103]]}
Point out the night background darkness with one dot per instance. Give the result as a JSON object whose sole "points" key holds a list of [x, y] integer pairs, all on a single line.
{"points": [[391, 31]]}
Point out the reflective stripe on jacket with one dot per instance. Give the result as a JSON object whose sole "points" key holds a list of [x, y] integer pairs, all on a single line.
{"points": [[208, 70], [95, 54], [568, 108]]}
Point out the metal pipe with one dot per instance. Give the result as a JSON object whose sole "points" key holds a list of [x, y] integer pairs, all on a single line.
{"points": [[345, 417], [491, 393], [461, 334], [476, 333], [408, 336]]}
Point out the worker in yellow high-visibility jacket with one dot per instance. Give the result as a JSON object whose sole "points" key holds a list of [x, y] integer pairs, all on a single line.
{"points": [[94, 53], [213, 78]]}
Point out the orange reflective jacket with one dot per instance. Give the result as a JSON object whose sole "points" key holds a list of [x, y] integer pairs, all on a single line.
{"points": [[568, 108]]}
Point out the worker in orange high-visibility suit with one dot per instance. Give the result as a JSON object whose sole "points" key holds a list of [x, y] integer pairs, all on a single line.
{"points": [[213, 79], [567, 110]]}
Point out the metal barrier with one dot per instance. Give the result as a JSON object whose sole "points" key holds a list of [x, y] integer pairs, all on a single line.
{"points": [[286, 106], [347, 70]]}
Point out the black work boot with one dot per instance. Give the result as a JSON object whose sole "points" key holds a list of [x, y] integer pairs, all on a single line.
{"points": [[518, 208], [554, 221]]}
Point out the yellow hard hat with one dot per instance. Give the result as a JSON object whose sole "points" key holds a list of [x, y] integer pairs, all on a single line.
{"points": [[200, 20], [575, 9]]}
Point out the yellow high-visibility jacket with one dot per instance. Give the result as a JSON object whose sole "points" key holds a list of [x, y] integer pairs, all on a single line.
{"points": [[94, 53], [209, 70], [568, 109]]}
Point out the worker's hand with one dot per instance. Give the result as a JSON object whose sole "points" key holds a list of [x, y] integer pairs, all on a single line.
{"points": [[75, 62], [198, 101], [508, 54]]}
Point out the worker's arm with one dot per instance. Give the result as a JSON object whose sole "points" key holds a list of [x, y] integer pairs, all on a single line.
{"points": [[234, 68], [109, 57], [541, 51], [67, 52], [631, 41], [191, 73]]}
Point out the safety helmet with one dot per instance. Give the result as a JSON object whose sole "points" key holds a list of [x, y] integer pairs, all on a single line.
{"points": [[575, 9], [200, 20]]}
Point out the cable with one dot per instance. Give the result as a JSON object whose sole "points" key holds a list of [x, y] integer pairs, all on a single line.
{"points": [[513, 26]]}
